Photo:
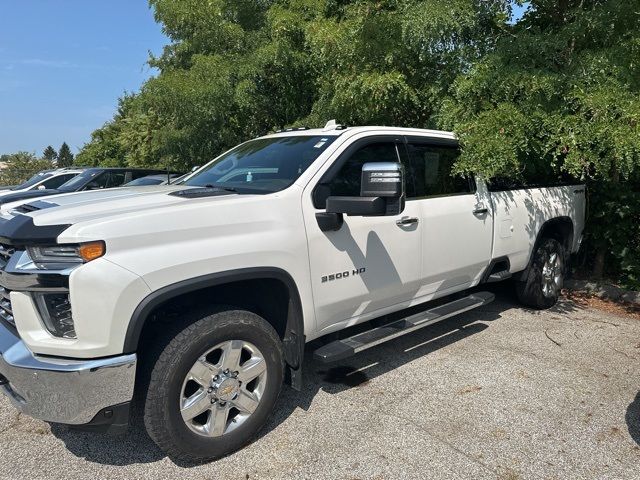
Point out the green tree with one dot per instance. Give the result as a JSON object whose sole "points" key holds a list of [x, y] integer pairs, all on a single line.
{"points": [[238, 69], [50, 154], [105, 147], [65, 157], [20, 166], [555, 93], [560, 93]]}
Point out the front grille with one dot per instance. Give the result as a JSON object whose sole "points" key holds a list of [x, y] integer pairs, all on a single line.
{"points": [[6, 311]]}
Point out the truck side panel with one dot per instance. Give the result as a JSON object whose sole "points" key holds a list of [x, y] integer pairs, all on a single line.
{"points": [[520, 214]]}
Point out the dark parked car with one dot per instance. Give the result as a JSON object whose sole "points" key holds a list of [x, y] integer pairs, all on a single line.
{"points": [[90, 179]]}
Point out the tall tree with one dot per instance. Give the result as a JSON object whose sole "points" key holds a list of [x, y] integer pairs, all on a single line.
{"points": [[50, 154], [65, 157], [238, 69]]}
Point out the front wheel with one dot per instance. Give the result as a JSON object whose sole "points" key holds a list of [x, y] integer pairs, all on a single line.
{"points": [[541, 288], [213, 386]]}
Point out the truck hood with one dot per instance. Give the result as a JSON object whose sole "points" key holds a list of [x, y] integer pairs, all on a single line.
{"points": [[79, 207]]}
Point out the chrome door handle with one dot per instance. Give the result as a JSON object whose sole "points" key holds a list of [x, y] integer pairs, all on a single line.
{"points": [[406, 221], [480, 209]]}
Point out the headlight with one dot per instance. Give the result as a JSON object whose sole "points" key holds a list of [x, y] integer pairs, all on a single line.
{"points": [[59, 257]]}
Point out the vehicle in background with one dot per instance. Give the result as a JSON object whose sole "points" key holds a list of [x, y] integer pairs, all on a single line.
{"points": [[45, 180], [89, 179], [164, 179], [181, 178]]}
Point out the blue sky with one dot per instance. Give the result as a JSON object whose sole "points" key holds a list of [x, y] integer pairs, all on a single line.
{"points": [[64, 63], [519, 11]]}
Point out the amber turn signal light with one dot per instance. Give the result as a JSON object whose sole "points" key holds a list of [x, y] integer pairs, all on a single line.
{"points": [[91, 251]]}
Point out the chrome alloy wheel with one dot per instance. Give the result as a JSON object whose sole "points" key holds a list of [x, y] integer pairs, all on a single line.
{"points": [[552, 275], [223, 388]]}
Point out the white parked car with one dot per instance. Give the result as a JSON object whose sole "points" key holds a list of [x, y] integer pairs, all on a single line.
{"points": [[43, 180], [198, 299]]}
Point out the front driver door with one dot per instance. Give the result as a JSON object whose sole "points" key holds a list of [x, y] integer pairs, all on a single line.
{"points": [[370, 263]]}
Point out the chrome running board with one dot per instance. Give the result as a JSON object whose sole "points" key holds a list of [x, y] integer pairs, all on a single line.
{"points": [[341, 349]]}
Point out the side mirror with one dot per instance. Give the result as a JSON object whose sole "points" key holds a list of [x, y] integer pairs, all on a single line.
{"points": [[92, 186], [381, 192], [41, 187], [383, 179]]}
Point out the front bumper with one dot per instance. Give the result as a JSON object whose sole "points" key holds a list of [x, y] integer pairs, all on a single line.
{"points": [[62, 390]]}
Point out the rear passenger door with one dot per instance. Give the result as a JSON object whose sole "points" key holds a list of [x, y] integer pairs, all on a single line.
{"points": [[456, 219]]}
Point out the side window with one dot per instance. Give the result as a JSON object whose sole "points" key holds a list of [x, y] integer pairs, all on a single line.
{"points": [[431, 167], [347, 181], [98, 182], [58, 180], [117, 178]]}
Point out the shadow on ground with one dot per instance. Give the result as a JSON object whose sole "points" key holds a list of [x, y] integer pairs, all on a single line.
{"points": [[632, 418], [135, 447]]}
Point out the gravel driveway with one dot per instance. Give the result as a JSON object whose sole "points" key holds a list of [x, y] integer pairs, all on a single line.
{"points": [[499, 392]]}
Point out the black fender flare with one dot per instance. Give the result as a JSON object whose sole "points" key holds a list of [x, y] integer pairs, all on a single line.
{"points": [[294, 338]]}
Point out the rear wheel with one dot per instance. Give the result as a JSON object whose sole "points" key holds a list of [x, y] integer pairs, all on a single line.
{"points": [[541, 288], [214, 386]]}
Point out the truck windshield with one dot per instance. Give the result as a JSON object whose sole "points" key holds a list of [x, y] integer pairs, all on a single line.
{"points": [[38, 177], [264, 165], [77, 182]]}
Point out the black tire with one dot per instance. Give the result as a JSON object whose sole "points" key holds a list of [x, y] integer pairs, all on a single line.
{"points": [[532, 291], [166, 375]]}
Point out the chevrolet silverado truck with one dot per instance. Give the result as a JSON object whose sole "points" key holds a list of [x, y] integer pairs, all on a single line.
{"points": [[195, 301]]}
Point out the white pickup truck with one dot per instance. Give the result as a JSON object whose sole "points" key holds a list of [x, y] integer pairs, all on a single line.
{"points": [[196, 300]]}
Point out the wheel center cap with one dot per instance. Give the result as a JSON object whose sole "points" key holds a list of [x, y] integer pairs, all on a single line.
{"points": [[226, 389]]}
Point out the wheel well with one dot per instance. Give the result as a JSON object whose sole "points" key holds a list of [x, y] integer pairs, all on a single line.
{"points": [[267, 291], [267, 297], [560, 229]]}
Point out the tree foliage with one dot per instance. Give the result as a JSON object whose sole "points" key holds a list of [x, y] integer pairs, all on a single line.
{"points": [[50, 154], [554, 93], [65, 157], [238, 69], [561, 94], [105, 148], [20, 166]]}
